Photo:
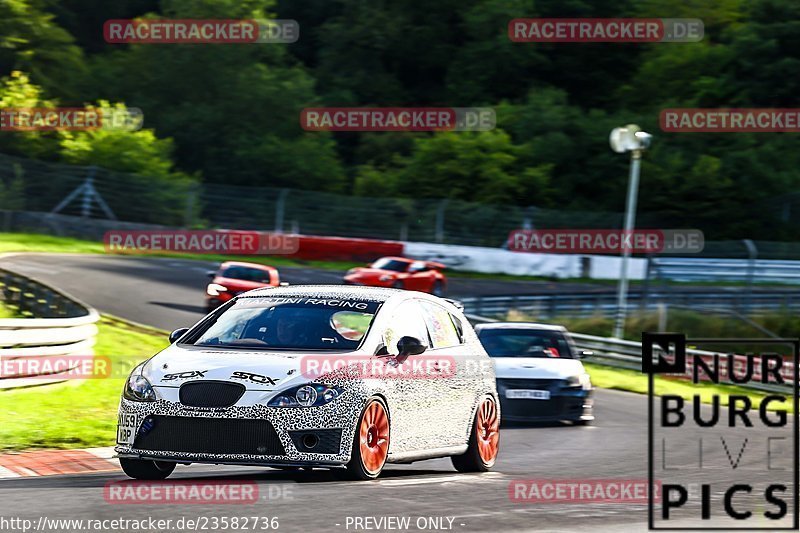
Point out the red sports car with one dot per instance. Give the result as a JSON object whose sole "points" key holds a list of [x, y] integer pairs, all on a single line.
{"points": [[234, 277], [401, 273]]}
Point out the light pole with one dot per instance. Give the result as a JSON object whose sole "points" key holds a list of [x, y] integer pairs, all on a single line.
{"points": [[628, 139]]}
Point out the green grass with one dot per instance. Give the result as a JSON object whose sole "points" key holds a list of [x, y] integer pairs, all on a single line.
{"points": [[78, 414], [632, 381]]}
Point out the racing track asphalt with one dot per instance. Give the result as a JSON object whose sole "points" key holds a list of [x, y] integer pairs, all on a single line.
{"points": [[167, 293]]}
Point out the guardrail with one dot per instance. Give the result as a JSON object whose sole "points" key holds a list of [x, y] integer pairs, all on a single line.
{"points": [[690, 269], [53, 324], [584, 304], [620, 353]]}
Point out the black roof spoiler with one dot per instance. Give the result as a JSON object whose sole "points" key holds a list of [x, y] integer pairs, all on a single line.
{"points": [[459, 305]]}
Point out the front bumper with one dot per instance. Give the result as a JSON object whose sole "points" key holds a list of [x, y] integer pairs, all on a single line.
{"points": [[249, 435], [573, 403]]}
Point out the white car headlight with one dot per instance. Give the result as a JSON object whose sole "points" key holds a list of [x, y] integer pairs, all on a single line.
{"points": [[214, 289], [137, 388], [310, 395], [581, 380]]}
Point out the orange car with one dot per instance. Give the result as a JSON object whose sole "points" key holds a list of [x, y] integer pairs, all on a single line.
{"points": [[235, 277], [400, 273]]}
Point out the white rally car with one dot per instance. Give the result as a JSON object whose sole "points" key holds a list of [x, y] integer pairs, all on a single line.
{"points": [[347, 378]]}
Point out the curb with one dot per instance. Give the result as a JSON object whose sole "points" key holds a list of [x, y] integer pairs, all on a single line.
{"points": [[57, 462]]}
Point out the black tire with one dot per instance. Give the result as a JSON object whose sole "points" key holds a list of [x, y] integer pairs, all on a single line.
{"points": [[146, 469], [398, 285], [438, 288], [580, 422], [471, 460], [355, 468]]}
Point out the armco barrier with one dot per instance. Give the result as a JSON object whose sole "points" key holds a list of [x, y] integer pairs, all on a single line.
{"points": [[54, 325]]}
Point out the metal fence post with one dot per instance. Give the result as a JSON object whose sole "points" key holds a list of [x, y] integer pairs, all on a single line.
{"points": [[280, 210], [752, 254], [440, 220]]}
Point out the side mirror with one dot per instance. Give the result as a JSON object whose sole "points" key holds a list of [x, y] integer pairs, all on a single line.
{"points": [[177, 334], [409, 346], [211, 274], [585, 353]]}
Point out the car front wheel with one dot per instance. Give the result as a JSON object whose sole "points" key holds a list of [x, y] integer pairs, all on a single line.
{"points": [[370, 444], [146, 469]]}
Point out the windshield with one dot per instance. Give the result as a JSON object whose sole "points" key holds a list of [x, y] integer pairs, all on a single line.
{"points": [[390, 264], [245, 273], [525, 343], [290, 323]]}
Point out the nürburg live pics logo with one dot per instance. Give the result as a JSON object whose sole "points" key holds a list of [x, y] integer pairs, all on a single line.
{"points": [[725, 453]]}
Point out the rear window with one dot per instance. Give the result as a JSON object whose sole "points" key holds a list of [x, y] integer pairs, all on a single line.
{"points": [[245, 274], [525, 343], [289, 324]]}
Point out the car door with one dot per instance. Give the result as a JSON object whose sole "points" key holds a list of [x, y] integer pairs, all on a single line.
{"points": [[415, 421], [455, 389], [419, 278]]}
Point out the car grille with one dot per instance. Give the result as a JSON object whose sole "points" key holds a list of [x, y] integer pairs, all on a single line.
{"points": [[536, 384], [209, 435], [211, 393], [329, 440]]}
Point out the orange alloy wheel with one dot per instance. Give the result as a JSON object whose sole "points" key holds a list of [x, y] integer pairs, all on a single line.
{"points": [[487, 430], [374, 436]]}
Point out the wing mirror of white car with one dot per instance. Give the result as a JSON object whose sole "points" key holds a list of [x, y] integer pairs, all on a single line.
{"points": [[585, 353], [409, 346], [177, 334]]}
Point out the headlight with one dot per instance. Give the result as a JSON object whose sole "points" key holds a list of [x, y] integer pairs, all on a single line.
{"points": [[309, 395], [351, 271], [581, 380], [137, 388], [386, 277], [215, 288]]}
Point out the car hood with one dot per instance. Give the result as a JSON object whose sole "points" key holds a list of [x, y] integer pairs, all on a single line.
{"points": [[537, 367], [272, 370]]}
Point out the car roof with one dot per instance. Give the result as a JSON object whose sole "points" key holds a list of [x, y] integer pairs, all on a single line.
{"points": [[396, 258], [245, 264], [521, 325], [352, 292]]}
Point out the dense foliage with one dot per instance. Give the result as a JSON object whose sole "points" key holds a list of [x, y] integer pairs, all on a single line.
{"points": [[230, 113]]}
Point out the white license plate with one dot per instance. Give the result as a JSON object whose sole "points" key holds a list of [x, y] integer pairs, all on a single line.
{"points": [[527, 394]]}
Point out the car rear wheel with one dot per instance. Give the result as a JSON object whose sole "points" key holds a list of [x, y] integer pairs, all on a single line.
{"points": [[146, 469], [370, 444], [484, 440]]}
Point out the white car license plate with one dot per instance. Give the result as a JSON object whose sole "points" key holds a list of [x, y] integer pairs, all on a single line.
{"points": [[527, 394]]}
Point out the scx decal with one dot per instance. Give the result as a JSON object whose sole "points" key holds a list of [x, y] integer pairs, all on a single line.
{"points": [[185, 375], [257, 378]]}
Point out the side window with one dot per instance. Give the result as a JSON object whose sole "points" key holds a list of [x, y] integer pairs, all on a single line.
{"points": [[406, 321], [440, 325]]}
